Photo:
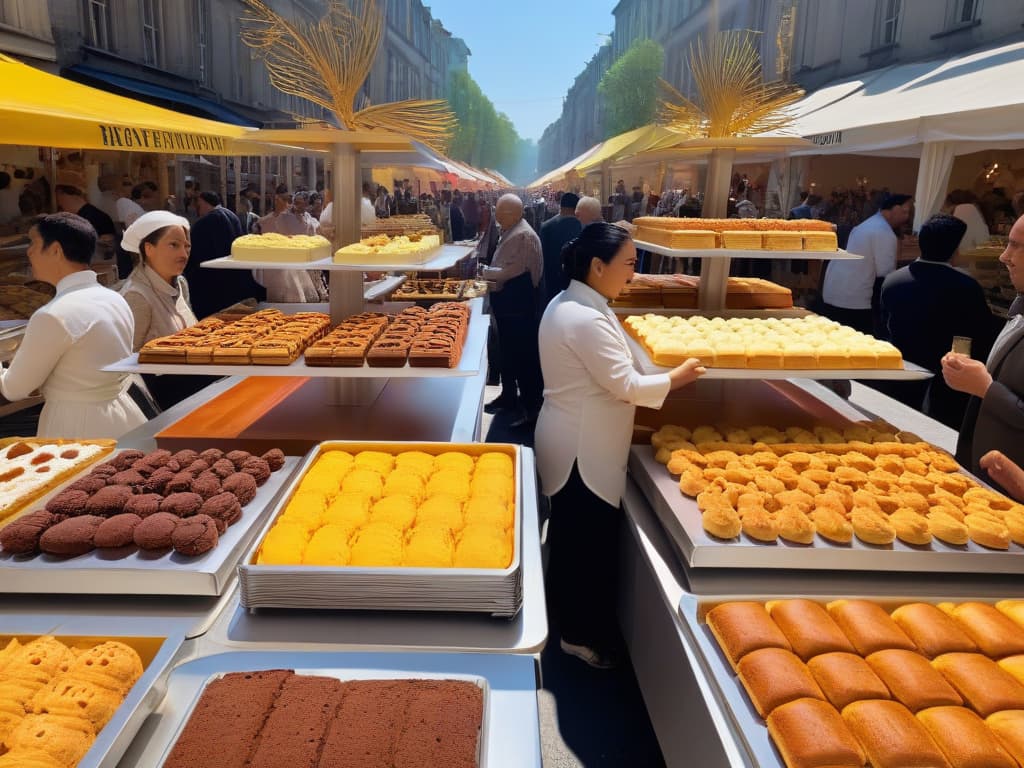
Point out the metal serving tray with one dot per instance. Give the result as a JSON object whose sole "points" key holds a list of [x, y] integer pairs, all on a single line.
{"points": [[730, 253], [498, 592], [729, 697], [509, 735], [131, 571], [158, 655], [681, 519]]}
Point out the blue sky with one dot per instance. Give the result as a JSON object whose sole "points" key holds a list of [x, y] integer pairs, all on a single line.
{"points": [[527, 53]]}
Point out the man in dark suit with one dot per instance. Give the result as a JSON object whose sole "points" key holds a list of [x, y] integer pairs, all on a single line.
{"points": [[916, 303], [995, 412], [211, 290], [555, 233]]}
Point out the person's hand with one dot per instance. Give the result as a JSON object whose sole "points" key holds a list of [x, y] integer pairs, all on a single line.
{"points": [[1005, 472], [965, 374], [687, 373]]}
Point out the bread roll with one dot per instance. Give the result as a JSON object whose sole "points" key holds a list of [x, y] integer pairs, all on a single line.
{"points": [[891, 736], [964, 739], [845, 678], [985, 686], [742, 627], [996, 634], [810, 733], [1009, 730], [808, 627], [1014, 609], [912, 680], [1015, 666], [868, 626], [934, 632], [774, 677]]}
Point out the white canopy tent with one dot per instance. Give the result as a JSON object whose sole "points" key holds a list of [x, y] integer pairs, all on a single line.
{"points": [[934, 110]]}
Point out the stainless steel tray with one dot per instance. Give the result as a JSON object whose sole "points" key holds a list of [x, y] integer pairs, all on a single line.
{"points": [[498, 592], [681, 519], [137, 572], [158, 655], [730, 253], [510, 733]]}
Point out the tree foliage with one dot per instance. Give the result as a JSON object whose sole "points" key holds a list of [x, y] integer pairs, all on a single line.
{"points": [[630, 88]]}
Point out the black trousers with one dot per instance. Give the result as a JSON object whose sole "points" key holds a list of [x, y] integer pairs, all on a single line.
{"points": [[583, 536], [520, 359], [858, 319]]}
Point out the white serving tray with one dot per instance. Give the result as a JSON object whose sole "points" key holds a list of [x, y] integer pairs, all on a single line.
{"points": [[442, 258], [730, 253], [131, 571]]}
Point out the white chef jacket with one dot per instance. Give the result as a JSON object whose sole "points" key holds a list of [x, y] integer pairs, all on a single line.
{"points": [[849, 284], [977, 230], [290, 286], [591, 391], [67, 343]]}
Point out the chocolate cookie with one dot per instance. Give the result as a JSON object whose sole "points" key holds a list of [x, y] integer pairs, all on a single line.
{"points": [[210, 455], [74, 536], [130, 477], [21, 537], [157, 458], [156, 482], [194, 536], [258, 468], [144, 504], [274, 458], [125, 459], [174, 465], [90, 484], [206, 485], [196, 467], [182, 504], [238, 458], [117, 531], [69, 503], [241, 484], [185, 457], [222, 468], [142, 468], [180, 483], [108, 501], [155, 531], [105, 470], [224, 508]]}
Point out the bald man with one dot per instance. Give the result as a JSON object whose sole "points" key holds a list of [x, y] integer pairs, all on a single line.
{"points": [[588, 210], [516, 271]]}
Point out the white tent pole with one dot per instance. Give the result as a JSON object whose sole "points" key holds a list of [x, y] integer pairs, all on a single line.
{"points": [[714, 273]]}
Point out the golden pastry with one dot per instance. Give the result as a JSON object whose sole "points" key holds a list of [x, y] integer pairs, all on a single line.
{"points": [[914, 501], [910, 527], [692, 483], [832, 525], [830, 500], [722, 522], [987, 532], [793, 525], [795, 498], [759, 524], [862, 498], [850, 476], [872, 527], [947, 528]]}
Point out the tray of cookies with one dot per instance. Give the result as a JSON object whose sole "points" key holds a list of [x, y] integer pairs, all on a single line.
{"points": [[853, 681], [761, 498], [344, 709], [145, 524], [394, 526], [78, 700]]}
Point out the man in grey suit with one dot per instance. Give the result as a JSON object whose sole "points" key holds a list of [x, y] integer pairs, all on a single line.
{"points": [[995, 412]]}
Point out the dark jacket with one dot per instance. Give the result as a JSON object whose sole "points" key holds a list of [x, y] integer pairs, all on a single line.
{"points": [[457, 223], [214, 289], [801, 212], [555, 233]]}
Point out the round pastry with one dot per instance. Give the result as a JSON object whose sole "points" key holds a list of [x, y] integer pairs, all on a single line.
{"points": [[196, 467], [758, 524], [179, 483], [157, 458], [241, 484], [129, 477], [185, 456], [692, 482], [195, 536], [224, 508], [155, 531], [794, 525], [258, 468], [144, 504], [238, 458], [105, 470], [172, 465], [910, 526], [90, 484], [117, 531], [206, 485], [141, 467], [157, 482], [722, 521], [872, 527], [108, 501], [210, 455], [987, 532], [274, 458], [832, 525], [222, 468], [125, 459], [21, 537], [74, 536], [182, 504], [68, 503], [946, 527]]}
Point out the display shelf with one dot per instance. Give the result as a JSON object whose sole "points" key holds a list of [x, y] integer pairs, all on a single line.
{"points": [[470, 362], [446, 256], [376, 290], [730, 253]]}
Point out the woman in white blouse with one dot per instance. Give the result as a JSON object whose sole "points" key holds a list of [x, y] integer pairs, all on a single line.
{"points": [[69, 340], [591, 391]]}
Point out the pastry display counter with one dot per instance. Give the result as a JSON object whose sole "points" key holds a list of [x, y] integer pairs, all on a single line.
{"points": [[443, 258]]}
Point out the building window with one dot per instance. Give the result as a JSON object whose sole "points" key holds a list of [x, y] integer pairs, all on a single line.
{"points": [[967, 11], [203, 40], [889, 22], [97, 24], [151, 32]]}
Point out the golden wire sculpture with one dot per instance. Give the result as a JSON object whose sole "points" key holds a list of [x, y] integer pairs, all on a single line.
{"points": [[732, 97], [327, 62]]}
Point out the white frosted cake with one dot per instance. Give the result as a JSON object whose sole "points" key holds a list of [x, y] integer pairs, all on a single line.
{"points": [[30, 468], [281, 248], [381, 249]]}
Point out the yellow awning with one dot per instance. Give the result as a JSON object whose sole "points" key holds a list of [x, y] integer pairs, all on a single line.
{"points": [[628, 143]]}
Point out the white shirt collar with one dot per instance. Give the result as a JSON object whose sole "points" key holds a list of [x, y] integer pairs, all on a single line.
{"points": [[584, 294], [81, 279]]}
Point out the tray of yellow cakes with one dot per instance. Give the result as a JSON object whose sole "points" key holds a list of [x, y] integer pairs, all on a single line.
{"points": [[809, 346], [274, 248], [848, 681], [855, 498], [742, 238], [394, 526], [681, 292]]}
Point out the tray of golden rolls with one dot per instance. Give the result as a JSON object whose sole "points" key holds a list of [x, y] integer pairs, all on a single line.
{"points": [[394, 526], [681, 292], [848, 682], [761, 497], [747, 238], [809, 346], [77, 700]]}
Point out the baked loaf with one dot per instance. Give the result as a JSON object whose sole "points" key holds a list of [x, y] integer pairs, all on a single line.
{"points": [[845, 678], [808, 627], [985, 686], [810, 734], [933, 631], [868, 626], [892, 737], [772, 677], [912, 680], [742, 627], [964, 739], [994, 632], [1009, 730], [751, 234]]}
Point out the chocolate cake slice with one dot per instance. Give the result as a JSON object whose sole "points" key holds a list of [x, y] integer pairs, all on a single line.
{"points": [[364, 732], [293, 734]]}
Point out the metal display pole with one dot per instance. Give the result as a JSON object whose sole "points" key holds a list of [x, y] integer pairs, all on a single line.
{"points": [[714, 273]]}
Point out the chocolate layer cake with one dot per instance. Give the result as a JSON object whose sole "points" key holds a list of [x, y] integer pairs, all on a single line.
{"points": [[277, 718]]}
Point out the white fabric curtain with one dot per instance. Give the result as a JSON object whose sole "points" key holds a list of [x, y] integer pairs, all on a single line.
{"points": [[932, 179]]}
